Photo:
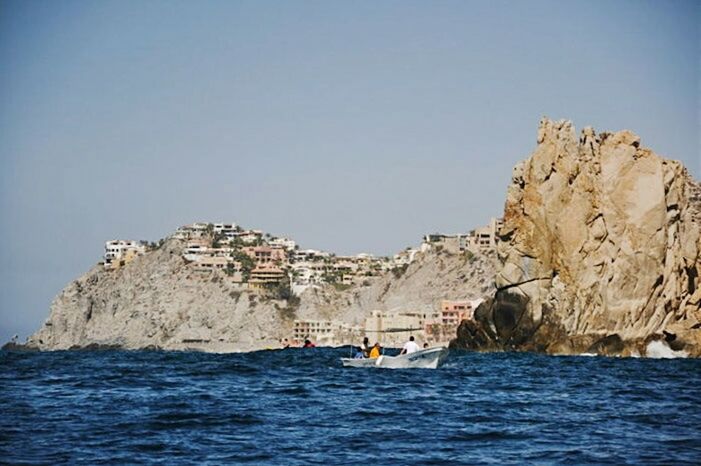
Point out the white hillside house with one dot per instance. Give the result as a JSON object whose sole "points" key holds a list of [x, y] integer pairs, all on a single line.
{"points": [[119, 251]]}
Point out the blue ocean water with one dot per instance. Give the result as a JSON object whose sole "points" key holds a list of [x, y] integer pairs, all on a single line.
{"points": [[301, 407]]}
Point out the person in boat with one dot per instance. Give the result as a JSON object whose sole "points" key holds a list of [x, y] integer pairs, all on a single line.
{"points": [[308, 344], [364, 351], [410, 346], [365, 347], [425, 345], [285, 343], [375, 351]]}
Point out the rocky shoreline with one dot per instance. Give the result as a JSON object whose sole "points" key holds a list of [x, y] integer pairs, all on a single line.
{"points": [[157, 302], [472, 336]]}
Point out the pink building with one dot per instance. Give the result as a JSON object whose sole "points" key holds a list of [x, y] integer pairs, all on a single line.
{"points": [[453, 312]]}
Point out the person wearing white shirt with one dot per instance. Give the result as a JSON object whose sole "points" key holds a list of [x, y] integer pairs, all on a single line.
{"points": [[410, 346]]}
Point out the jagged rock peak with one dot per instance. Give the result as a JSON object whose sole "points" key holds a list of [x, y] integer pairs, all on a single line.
{"points": [[600, 237]]}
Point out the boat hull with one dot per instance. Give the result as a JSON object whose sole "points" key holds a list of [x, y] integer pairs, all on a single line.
{"points": [[361, 362], [430, 358]]}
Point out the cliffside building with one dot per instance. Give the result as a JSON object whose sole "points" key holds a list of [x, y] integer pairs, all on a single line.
{"points": [[454, 312], [284, 243], [193, 230], [485, 238], [266, 254], [250, 236], [266, 274], [478, 240], [229, 230], [121, 252], [309, 255], [209, 263], [454, 243], [405, 257]]}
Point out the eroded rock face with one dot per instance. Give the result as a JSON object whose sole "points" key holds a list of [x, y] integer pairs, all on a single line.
{"points": [[601, 238]]}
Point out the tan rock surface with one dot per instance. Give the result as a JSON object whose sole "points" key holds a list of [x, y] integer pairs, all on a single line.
{"points": [[601, 237]]}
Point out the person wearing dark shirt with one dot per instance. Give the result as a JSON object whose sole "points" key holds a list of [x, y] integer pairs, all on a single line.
{"points": [[365, 347]]}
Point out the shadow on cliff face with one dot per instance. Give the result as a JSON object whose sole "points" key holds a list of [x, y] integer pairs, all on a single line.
{"points": [[505, 323], [502, 324], [508, 313], [499, 324], [477, 334]]}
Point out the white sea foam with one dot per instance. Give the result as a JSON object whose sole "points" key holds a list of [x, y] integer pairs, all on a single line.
{"points": [[660, 350]]}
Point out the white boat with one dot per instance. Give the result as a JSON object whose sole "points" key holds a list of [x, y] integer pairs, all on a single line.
{"points": [[430, 358]]}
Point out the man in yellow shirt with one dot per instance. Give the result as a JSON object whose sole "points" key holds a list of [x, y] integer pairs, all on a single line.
{"points": [[375, 351]]}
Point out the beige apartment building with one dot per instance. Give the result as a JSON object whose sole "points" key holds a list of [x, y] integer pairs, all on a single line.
{"points": [[393, 329], [266, 254], [485, 238], [209, 263], [266, 274], [325, 332]]}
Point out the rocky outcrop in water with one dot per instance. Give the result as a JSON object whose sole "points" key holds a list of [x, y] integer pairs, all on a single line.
{"points": [[599, 251]]}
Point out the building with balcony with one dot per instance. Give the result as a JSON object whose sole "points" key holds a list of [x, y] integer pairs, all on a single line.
{"points": [[454, 312], [264, 275], [453, 243], [196, 248], [193, 230], [209, 263], [120, 252], [284, 243], [309, 255], [485, 238], [250, 236], [229, 230], [325, 332], [266, 254]]}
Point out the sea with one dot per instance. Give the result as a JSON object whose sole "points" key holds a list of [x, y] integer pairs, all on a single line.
{"points": [[301, 407]]}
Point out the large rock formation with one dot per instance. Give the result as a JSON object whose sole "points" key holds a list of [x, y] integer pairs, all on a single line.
{"points": [[158, 301], [599, 250]]}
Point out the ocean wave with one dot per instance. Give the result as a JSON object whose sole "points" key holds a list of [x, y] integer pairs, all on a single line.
{"points": [[660, 350], [297, 407]]}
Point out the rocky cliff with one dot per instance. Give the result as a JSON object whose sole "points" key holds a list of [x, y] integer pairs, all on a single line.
{"points": [[599, 251], [157, 301]]}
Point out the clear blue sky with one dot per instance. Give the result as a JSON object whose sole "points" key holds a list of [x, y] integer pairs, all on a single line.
{"points": [[352, 126]]}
